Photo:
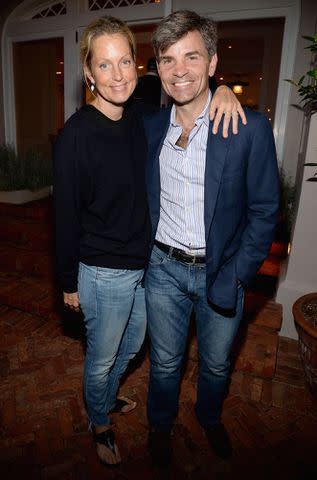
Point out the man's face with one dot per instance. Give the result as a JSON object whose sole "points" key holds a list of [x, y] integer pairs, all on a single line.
{"points": [[184, 68]]}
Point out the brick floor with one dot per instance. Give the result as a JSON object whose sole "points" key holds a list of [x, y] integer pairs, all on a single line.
{"points": [[269, 413], [44, 426]]}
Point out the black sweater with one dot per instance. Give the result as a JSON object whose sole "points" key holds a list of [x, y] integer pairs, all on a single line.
{"points": [[101, 213]]}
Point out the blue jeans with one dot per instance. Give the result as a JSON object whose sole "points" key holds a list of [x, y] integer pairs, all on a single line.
{"points": [[113, 305], [172, 290]]}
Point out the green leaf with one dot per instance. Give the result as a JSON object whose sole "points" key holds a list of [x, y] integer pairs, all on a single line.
{"points": [[310, 164], [312, 73], [291, 81], [311, 39]]}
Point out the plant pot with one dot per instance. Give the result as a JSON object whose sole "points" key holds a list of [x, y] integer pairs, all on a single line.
{"points": [[24, 196], [305, 316]]}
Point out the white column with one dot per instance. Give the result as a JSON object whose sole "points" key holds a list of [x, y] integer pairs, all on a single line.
{"points": [[300, 275]]}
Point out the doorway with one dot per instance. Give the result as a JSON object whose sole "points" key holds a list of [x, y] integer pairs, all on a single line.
{"points": [[39, 93]]}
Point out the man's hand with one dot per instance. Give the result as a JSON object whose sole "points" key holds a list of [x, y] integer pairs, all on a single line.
{"points": [[71, 300], [224, 102]]}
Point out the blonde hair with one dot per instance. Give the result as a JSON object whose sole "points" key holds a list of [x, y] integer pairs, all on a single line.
{"points": [[109, 25]]}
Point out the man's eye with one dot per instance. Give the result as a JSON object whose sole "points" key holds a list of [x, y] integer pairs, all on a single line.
{"points": [[193, 57], [166, 60], [127, 61]]}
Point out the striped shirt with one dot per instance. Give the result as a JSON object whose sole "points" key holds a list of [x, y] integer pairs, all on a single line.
{"points": [[182, 172]]}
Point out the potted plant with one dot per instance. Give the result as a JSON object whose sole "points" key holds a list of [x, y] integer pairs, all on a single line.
{"points": [[23, 177], [305, 316], [305, 307]]}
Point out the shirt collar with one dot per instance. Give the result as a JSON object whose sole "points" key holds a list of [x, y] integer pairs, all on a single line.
{"points": [[203, 117]]}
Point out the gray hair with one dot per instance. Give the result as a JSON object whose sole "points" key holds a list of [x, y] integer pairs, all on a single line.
{"points": [[178, 24]]}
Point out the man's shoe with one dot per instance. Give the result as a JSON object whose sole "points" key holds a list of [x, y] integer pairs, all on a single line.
{"points": [[219, 440], [160, 446]]}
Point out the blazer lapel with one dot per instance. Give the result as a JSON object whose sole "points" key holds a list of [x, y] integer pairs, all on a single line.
{"points": [[217, 150]]}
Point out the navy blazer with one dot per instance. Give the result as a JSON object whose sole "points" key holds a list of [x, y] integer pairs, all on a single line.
{"points": [[241, 200]]}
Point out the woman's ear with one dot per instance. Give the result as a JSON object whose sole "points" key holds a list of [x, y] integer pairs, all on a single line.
{"points": [[88, 76]]}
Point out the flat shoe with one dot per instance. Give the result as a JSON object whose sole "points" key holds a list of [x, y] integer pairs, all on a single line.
{"points": [[123, 405], [107, 439]]}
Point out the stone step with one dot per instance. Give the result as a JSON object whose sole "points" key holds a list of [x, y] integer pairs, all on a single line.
{"points": [[29, 294], [271, 266], [26, 233], [26, 262], [37, 210]]}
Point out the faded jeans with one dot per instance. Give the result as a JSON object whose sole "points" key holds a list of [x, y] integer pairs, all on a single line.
{"points": [[113, 304]]}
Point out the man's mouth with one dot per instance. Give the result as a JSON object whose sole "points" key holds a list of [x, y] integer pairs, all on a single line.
{"points": [[182, 84]]}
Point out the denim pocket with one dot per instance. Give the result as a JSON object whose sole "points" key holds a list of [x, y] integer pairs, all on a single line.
{"points": [[157, 256], [105, 272]]}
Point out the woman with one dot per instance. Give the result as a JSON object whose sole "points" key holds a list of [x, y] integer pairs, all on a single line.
{"points": [[102, 223]]}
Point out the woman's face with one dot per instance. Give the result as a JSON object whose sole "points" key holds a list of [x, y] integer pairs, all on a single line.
{"points": [[112, 68]]}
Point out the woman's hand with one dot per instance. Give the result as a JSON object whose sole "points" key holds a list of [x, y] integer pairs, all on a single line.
{"points": [[71, 300], [226, 103]]}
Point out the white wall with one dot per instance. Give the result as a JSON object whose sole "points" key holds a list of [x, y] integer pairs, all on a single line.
{"points": [[300, 275], [292, 139]]}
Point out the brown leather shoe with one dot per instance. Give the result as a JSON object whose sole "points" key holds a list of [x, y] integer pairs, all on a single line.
{"points": [[160, 446], [219, 440]]}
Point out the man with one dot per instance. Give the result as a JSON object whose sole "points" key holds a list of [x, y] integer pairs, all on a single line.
{"points": [[148, 89], [214, 206]]}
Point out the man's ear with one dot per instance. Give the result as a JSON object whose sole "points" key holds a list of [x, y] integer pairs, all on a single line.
{"points": [[213, 64]]}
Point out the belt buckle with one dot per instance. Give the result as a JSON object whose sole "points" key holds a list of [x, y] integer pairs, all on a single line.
{"points": [[192, 259]]}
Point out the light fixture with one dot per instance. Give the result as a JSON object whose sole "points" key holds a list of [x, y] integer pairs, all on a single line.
{"points": [[140, 67], [237, 89], [229, 46], [58, 73], [237, 86], [221, 78]]}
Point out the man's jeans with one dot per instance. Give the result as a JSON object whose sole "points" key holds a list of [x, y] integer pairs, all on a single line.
{"points": [[113, 304], [172, 290]]}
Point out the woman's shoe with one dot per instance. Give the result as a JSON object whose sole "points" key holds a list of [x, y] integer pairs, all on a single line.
{"points": [[123, 405], [107, 449]]}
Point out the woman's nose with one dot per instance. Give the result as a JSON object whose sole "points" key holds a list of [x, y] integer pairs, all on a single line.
{"points": [[117, 73]]}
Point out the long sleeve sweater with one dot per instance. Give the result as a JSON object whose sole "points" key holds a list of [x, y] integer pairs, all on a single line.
{"points": [[101, 214]]}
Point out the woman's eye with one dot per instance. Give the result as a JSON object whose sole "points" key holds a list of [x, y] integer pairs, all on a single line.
{"points": [[103, 66]]}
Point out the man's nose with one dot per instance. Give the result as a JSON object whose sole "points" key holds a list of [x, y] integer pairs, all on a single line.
{"points": [[180, 68]]}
